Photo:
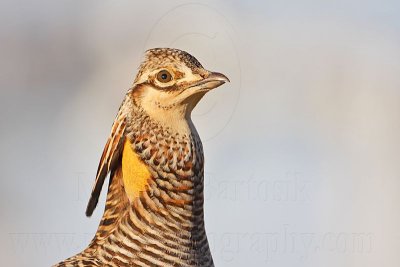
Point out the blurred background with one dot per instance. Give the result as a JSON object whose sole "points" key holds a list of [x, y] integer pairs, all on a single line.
{"points": [[302, 147]]}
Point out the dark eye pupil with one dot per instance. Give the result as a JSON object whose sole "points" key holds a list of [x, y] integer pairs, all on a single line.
{"points": [[164, 76]]}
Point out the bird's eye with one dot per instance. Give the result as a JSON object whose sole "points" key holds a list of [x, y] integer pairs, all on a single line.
{"points": [[164, 76]]}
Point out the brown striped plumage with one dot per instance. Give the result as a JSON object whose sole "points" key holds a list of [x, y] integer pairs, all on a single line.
{"points": [[162, 224]]}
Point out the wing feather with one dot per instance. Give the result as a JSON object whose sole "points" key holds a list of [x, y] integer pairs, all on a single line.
{"points": [[110, 154]]}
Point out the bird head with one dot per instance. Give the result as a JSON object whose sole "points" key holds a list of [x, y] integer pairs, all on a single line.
{"points": [[170, 83]]}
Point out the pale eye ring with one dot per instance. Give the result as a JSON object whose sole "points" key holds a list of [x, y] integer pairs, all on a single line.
{"points": [[164, 76]]}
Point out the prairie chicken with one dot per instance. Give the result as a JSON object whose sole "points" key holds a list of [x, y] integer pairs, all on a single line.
{"points": [[154, 208]]}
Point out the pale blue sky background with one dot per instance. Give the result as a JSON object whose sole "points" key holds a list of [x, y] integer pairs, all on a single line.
{"points": [[302, 147]]}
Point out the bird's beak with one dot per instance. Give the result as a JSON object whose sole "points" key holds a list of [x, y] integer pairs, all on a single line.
{"points": [[217, 77], [212, 80], [194, 92]]}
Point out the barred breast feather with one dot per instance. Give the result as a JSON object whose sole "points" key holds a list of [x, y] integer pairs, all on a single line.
{"points": [[154, 208]]}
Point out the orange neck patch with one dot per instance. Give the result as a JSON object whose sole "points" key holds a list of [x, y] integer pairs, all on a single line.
{"points": [[135, 173]]}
